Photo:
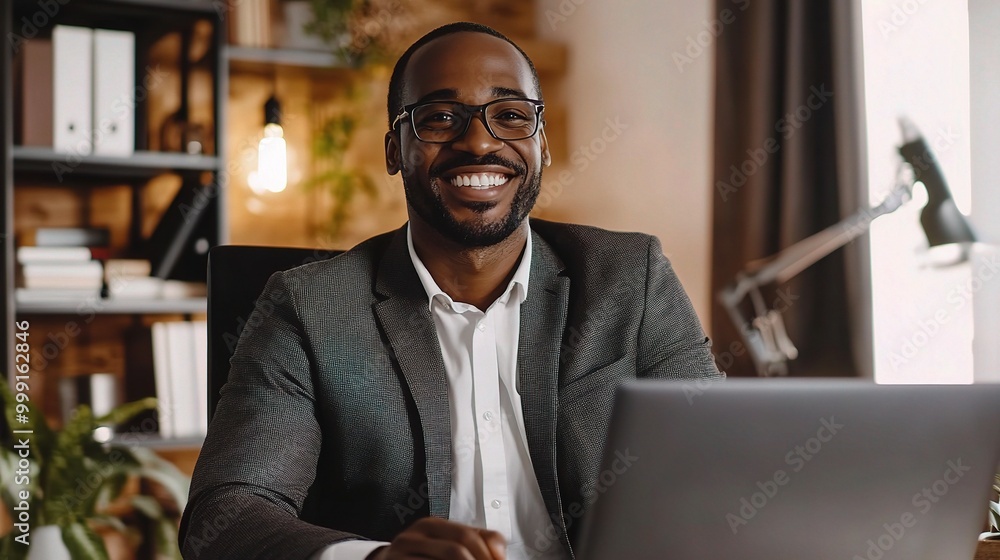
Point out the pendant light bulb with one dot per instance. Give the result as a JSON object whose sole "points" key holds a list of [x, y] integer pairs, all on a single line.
{"points": [[272, 158]]}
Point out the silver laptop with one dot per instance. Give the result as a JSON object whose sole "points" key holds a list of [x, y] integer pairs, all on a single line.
{"points": [[794, 469]]}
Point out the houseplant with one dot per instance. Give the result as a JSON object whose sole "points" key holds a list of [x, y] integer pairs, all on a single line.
{"points": [[333, 174], [361, 31], [72, 479]]}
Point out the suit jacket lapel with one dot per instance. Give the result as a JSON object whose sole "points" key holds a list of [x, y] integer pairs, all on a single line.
{"points": [[543, 320], [408, 325]]}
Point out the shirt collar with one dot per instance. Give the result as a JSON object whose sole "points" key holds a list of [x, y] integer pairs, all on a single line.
{"points": [[518, 284]]}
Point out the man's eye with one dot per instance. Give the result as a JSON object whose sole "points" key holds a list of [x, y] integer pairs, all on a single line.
{"points": [[437, 119], [511, 116]]}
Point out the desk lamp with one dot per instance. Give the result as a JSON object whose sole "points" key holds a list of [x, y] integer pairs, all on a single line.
{"points": [[766, 339]]}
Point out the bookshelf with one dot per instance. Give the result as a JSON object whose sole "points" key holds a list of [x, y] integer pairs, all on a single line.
{"points": [[258, 59], [163, 306], [142, 164], [182, 42]]}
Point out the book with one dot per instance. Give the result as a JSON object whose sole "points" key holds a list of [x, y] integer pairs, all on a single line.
{"points": [[180, 341], [137, 288], [35, 102], [67, 237], [70, 283], [176, 289], [162, 377], [44, 295], [72, 275], [126, 269], [79, 269], [28, 255], [177, 234], [114, 92], [201, 373], [72, 49]]}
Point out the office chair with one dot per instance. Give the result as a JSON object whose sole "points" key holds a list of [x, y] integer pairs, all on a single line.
{"points": [[236, 277]]}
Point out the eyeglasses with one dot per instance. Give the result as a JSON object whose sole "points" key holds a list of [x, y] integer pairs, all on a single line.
{"points": [[440, 122]]}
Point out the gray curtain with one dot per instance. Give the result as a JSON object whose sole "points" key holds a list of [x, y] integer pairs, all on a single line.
{"points": [[789, 161]]}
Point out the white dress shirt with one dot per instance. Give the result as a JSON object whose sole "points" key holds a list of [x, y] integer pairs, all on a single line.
{"points": [[493, 484]]}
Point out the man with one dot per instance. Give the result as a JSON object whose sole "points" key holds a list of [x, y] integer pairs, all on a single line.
{"points": [[444, 390]]}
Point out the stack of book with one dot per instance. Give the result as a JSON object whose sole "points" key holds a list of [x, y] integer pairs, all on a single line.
{"points": [[180, 370], [61, 264], [130, 279]]}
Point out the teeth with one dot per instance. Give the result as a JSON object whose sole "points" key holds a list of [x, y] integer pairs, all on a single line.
{"points": [[479, 180]]}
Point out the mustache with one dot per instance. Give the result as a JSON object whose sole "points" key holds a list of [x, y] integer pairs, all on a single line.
{"points": [[488, 159]]}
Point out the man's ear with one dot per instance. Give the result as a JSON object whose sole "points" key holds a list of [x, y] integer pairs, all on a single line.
{"points": [[392, 153], [544, 143]]}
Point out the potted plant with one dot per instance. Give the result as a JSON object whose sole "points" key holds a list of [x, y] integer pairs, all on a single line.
{"points": [[72, 481], [333, 174]]}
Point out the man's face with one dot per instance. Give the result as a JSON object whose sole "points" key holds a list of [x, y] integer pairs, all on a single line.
{"points": [[472, 68]]}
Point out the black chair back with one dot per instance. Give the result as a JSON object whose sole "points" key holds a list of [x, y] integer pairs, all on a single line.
{"points": [[236, 277]]}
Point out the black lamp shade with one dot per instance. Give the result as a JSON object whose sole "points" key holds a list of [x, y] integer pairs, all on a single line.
{"points": [[942, 222]]}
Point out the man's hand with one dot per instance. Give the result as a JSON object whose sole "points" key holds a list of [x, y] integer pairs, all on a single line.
{"points": [[440, 539]]}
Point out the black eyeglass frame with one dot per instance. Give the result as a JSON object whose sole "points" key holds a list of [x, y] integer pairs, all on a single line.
{"points": [[478, 111]]}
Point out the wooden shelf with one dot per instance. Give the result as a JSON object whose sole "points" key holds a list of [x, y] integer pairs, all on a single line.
{"points": [[141, 164], [550, 57], [164, 306], [190, 6], [252, 59]]}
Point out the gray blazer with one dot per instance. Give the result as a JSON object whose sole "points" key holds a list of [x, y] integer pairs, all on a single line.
{"points": [[334, 423]]}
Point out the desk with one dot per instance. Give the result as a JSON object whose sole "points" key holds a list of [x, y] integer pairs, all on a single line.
{"points": [[988, 550]]}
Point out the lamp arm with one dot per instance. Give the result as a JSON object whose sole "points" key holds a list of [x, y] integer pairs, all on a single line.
{"points": [[769, 358], [794, 259]]}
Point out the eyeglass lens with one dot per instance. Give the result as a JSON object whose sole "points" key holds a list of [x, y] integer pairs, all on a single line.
{"points": [[444, 121]]}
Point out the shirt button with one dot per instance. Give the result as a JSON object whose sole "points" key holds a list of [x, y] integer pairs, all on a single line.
{"points": [[495, 504], [481, 326], [488, 416]]}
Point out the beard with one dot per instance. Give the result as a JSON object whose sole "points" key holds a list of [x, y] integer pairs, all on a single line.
{"points": [[429, 204]]}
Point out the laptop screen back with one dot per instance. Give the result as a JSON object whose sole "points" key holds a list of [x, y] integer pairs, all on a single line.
{"points": [[771, 469]]}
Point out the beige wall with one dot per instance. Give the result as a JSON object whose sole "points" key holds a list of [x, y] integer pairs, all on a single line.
{"points": [[655, 176]]}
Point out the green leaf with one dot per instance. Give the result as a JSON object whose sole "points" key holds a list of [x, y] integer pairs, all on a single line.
{"points": [[148, 506], [995, 516], [110, 521], [165, 539], [83, 543], [126, 412], [11, 549], [164, 472]]}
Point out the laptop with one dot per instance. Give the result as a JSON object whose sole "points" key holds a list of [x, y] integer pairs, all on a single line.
{"points": [[794, 469]]}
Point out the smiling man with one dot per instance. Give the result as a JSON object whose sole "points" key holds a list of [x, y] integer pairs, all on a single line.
{"points": [[444, 390]]}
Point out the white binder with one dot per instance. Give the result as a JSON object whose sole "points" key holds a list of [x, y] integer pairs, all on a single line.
{"points": [[114, 92], [72, 87]]}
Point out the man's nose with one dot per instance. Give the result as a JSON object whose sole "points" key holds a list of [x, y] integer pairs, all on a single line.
{"points": [[477, 138]]}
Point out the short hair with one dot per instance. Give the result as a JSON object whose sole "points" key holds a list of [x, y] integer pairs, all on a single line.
{"points": [[395, 97]]}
